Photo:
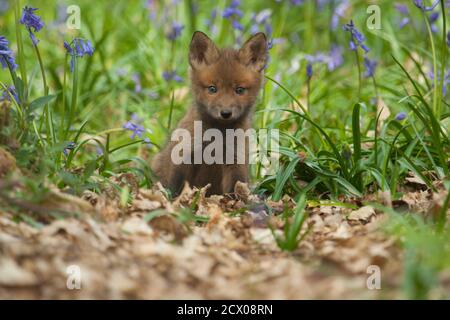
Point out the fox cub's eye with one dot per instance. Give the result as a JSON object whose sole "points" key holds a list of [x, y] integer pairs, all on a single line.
{"points": [[240, 90], [212, 89]]}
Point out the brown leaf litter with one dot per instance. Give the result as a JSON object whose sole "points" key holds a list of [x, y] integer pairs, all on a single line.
{"points": [[148, 250]]}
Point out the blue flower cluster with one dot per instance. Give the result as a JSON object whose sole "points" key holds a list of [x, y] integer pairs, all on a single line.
{"points": [[78, 48], [32, 22], [69, 147], [171, 75], [419, 4], [404, 11], [6, 95], [333, 60], [233, 13], [357, 40], [175, 31], [6, 55], [134, 125]]}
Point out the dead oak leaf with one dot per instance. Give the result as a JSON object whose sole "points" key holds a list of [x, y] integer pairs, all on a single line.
{"points": [[242, 191], [11, 274], [144, 205], [136, 225], [363, 214]]}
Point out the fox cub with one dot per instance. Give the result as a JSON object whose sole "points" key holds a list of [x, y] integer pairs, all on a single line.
{"points": [[225, 84]]}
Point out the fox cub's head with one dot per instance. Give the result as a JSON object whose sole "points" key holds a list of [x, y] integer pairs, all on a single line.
{"points": [[226, 82]]}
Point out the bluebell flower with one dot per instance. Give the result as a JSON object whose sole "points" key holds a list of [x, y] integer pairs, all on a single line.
{"points": [[68, 48], [335, 57], [87, 47], [357, 38], [6, 55], [70, 146], [419, 4], [6, 95], [136, 129], [137, 83], [297, 2], [261, 22], [213, 14], [230, 12], [32, 22], [403, 9], [172, 75], [194, 8], [78, 48], [311, 59], [235, 3], [98, 151], [233, 13], [61, 15], [237, 26], [319, 57], [254, 28], [370, 65], [175, 31], [4, 5], [339, 12], [210, 22], [135, 126], [151, 6], [268, 29], [446, 81], [309, 70], [400, 116], [147, 141], [262, 17], [403, 22], [274, 41], [433, 18], [448, 38]]}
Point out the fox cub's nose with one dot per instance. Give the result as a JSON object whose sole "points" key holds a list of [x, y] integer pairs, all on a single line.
{"points": [[226, 114]]}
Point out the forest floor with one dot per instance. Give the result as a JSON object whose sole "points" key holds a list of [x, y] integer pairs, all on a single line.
{"points": [[220, 248]]}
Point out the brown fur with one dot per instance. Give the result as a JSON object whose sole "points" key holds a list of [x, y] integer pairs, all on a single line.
{"points": [[226, 69]]}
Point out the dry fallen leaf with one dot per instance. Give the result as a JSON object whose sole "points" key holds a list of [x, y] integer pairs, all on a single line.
{"points": [[363, 214], [11, 274], [242, 191], [136, 225]]}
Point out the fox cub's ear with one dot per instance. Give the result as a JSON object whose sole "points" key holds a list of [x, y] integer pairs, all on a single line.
{"points": [[202, 50], [254, 52]]}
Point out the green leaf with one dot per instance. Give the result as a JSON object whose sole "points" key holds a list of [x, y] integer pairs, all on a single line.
{"points": [[40, 102]]}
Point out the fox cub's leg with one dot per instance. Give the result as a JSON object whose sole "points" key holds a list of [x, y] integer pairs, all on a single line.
{"points": [[232, 174], [172, 176]]}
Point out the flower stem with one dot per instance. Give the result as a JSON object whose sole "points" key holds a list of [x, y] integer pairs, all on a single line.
{"points": [[46, 117], [358, 63], [63, 105], [308, 92], [435, 71], [444, 56], [18, 104], [73, 104], [169, 122], [22, 66], [375, 88]]}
